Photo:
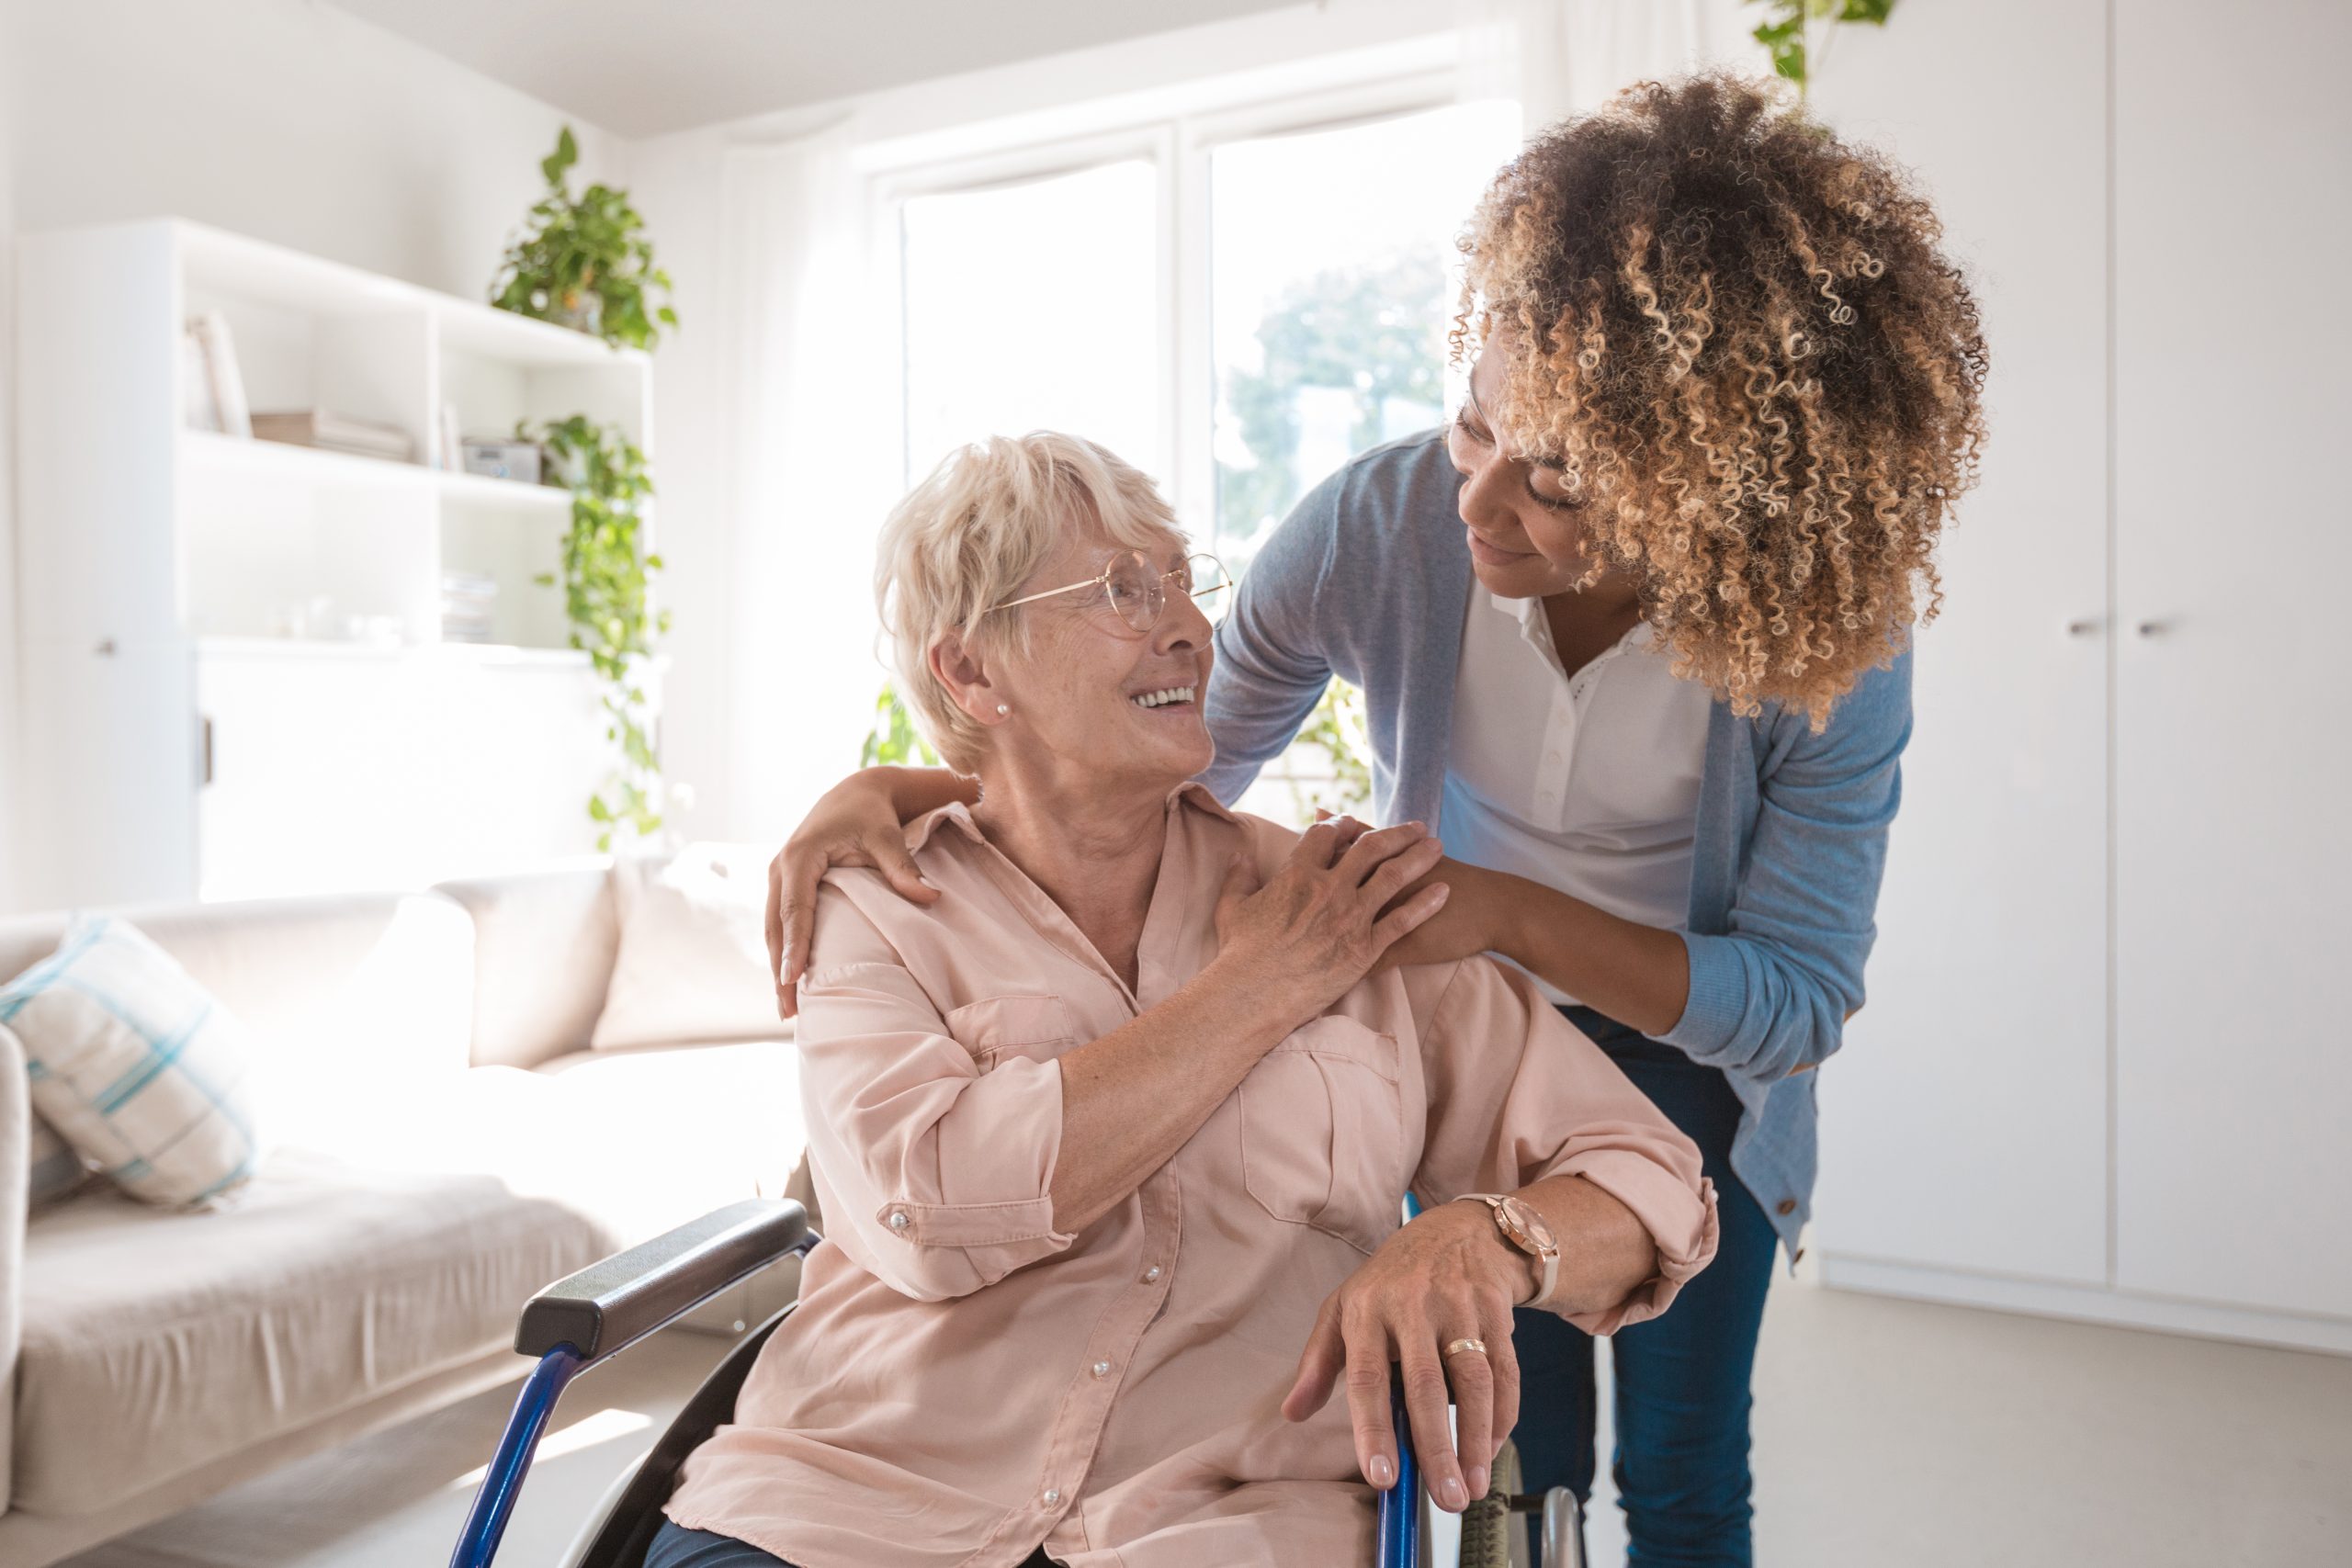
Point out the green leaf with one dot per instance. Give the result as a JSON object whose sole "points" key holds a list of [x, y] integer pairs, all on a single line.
{"points": [[558, 164]]}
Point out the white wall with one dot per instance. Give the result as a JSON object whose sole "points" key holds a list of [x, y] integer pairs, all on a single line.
{"points": [[676, 186], [279, 118]]}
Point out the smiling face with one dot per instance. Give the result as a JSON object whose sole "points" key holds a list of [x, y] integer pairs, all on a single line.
{"points": [[1091, 701], [1527, 539]]}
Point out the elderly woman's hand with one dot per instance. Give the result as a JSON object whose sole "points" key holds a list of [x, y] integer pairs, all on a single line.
{"points": [[1446, 1277], [1317, 927]]}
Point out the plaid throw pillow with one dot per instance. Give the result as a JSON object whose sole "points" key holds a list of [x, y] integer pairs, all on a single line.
{"points": [[134, 1065], [57, 1166]]}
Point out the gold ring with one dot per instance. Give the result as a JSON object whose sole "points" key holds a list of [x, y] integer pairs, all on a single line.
{"points": [[1476, 1347]]}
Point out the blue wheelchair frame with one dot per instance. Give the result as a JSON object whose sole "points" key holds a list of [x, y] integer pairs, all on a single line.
{"points": [[594, 1314]]}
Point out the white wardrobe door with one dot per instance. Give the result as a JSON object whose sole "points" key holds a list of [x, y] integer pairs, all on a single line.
{"points": [[1964, 1124], [2233, 541]]}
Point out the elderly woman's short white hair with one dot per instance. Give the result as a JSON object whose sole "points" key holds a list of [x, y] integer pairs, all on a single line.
{"points": [[970, 536]]}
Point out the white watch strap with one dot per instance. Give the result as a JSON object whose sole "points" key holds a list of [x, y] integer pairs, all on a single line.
{"points": [[1551, 1261]]}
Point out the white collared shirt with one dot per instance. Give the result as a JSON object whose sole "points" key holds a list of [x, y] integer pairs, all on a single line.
{"points": [[1589, 782]]}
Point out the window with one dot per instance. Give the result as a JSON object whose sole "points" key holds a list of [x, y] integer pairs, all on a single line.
{"points": [[1333, 282], [1234, 303], [1034, 305]]}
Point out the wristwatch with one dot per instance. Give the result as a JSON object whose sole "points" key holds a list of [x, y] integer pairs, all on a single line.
{"points": [[1526, 1230]]}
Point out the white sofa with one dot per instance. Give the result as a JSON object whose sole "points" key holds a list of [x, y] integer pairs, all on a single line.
{"points": [[445, 1144]]}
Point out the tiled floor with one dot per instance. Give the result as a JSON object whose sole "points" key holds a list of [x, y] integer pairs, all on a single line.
{"points": [[1889, 1434]]}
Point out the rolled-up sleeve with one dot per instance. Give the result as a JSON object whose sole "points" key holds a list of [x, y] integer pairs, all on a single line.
{"points": [[934, 1176], [1517, 1095]]}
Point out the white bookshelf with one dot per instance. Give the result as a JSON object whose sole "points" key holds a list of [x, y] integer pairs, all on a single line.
{"points": [[235, 681]]}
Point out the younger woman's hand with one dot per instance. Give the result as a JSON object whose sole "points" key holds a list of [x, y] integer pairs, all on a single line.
{"points": [[854, 823], [1322, 920], [1475, 919]]}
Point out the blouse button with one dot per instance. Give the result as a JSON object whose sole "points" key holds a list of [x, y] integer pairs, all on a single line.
{"points": [[1788, 1205], [899, 1221], [1053, 1495], [1101, 1369], [1151, 1275]]}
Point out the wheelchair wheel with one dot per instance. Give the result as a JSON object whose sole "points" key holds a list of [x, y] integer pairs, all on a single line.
{"points": [[1489, 1523], [593, 1524]]}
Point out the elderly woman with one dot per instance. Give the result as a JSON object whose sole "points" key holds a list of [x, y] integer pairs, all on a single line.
{"points": [[1111, 1139]]}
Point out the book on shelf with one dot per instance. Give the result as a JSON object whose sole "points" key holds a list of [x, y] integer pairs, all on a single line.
{"points": [[200, 410], [336, 433], [215, 386]]}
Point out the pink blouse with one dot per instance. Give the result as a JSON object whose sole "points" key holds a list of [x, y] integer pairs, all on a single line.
{"points": [[963, 1383]]}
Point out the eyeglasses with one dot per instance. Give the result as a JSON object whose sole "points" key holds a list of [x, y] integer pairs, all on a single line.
{"points": [[1139, 590]]}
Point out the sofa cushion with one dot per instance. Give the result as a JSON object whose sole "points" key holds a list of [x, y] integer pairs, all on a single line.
{"points": [[694, 960], [156, 1341], [136, 1064], [543, 944]]}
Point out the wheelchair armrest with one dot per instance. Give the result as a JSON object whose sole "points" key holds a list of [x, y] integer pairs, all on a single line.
{"points": [[610, 1305]]}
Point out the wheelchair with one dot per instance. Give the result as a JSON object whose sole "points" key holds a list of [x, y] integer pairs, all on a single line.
{"points": [[600, 1312]]}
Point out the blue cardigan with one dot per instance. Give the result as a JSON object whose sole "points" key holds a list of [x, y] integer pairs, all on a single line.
{"points": [[1368, 579]]}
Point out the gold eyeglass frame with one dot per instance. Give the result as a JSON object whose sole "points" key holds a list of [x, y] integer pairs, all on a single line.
{"points": [[1102, 580]]}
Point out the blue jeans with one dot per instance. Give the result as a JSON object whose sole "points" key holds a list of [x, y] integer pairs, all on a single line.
{"points": [[674, 1546], [1681, 1378]]}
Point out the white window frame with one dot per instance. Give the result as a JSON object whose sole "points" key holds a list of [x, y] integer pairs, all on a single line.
{"points": [[1175, 129]]}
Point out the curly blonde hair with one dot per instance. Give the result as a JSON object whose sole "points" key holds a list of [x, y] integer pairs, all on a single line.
{"points": [[1760, 376]]}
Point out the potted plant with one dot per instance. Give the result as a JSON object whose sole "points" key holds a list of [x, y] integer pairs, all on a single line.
{"points": [[585, 262]]}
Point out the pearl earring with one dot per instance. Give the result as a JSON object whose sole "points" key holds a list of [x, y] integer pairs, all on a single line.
{"points": [[1001, 710]]}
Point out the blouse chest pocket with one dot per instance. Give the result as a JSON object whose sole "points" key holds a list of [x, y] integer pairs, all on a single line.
{"points": [[1036, 1027], [1323, 1130]]}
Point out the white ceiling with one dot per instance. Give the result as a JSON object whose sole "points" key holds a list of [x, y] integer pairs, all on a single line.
{"points": [[642, 68]]}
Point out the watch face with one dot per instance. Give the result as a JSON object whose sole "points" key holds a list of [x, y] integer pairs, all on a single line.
{"points": [[1527, 1229]]}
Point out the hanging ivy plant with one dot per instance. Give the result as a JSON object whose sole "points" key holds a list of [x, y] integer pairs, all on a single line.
{"points": [[607, 573], [585, 263], [1788, 36]]}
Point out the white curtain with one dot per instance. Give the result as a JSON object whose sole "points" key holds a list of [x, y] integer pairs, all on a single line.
{"points": [[1564, 57], [811, 463]]}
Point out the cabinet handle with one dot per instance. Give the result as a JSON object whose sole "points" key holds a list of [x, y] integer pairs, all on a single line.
{"points": [[207, 749], [2155, 628], [2089, 627]]}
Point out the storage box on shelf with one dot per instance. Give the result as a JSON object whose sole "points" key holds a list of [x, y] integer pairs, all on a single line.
{"points": [[238, 643]]}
